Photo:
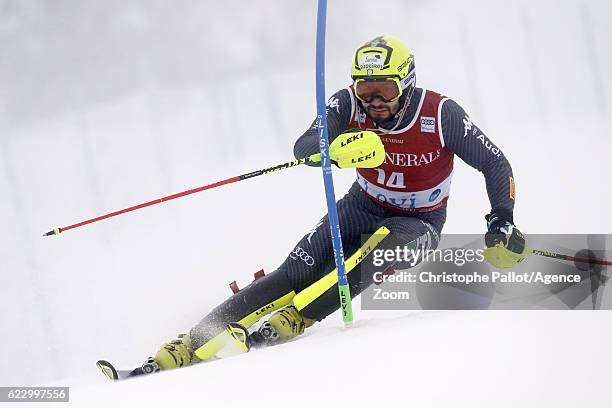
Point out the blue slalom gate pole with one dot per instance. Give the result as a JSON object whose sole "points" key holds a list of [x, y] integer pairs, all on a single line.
{"points": [[332, 211]]}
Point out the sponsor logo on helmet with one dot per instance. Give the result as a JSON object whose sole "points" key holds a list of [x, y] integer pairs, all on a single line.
{"points": [[369, 61], [404, 64]]}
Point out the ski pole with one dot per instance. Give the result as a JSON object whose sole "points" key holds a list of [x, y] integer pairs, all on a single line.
{"points": [[315, 158], [549, 254], [332, 211]]}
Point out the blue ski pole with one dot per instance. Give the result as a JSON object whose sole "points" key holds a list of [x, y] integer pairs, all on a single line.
{"points": [[332, 211]]}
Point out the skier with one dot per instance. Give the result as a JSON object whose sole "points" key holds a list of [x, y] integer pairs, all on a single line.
{"points": [[421, 131]]}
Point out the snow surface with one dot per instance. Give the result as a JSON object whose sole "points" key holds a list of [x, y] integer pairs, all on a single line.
{"points": [[420, 359], [112, 103]]}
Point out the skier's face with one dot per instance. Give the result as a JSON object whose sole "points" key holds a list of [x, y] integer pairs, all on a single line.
{"points": [[378, 109]]}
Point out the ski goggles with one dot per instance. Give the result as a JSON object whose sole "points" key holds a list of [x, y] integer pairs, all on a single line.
{"points": [[388, 89]]}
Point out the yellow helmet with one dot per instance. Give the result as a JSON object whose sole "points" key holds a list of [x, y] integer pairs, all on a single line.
{"points": [[385, 57]]}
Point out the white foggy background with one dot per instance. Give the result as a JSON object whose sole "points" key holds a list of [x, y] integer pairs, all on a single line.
{"points": [[107, 104]]}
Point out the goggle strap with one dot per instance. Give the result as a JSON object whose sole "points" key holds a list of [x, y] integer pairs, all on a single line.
{"points": [[409, 80]]}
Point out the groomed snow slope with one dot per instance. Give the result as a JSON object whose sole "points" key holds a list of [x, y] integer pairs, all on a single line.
{"points": [[418, 359]]}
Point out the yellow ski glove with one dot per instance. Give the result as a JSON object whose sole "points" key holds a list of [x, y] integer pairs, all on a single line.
{"points": [[505, 243], [360, 149]]}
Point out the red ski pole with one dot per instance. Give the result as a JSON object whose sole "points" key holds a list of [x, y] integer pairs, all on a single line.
{"points": [[589, 260], [313, 158]]}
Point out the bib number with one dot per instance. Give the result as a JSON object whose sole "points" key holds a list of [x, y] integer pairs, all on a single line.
{"points": [[395, 180]]}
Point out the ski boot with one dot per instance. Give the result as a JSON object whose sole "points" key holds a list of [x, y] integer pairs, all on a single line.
{"points": [[283, 325], [177, 353]]}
